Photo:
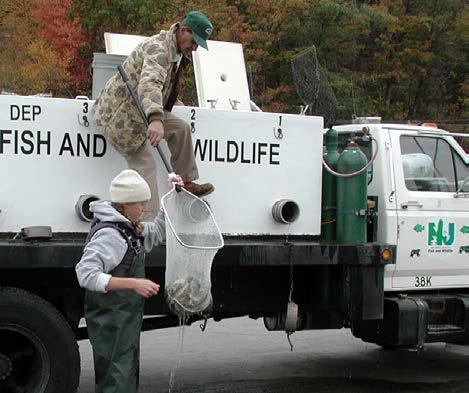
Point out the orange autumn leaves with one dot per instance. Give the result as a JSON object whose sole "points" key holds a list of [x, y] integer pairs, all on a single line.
{"points": [[41, 48]]}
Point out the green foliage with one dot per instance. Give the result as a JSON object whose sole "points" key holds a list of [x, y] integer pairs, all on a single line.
{"points": [[398, 59], [41, 50], [405, 59], [118, 16]]}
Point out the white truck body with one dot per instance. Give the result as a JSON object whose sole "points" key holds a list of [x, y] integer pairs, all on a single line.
{"points": [[50, 155], [51, 152]]}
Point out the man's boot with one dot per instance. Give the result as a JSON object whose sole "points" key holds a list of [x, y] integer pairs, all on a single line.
{"points": [[199, 189]]}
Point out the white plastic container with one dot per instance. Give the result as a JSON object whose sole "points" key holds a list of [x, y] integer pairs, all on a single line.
{"points": [[104, 67]]}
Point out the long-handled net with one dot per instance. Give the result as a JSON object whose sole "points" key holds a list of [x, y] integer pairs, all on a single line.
{"points": [[192, 240], [306, 75], [311, 84]]}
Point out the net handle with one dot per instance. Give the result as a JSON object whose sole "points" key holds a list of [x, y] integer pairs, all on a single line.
{"points": [[137, 103]]}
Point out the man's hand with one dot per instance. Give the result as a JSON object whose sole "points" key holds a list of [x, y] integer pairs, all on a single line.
{"points": [[174, 179], [155, 132]]}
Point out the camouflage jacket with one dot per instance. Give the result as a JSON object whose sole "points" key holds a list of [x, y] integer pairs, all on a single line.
{"points": [[153, 71]]}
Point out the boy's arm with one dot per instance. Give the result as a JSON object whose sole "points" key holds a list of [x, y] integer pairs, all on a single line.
{"points": [[142, 286]]}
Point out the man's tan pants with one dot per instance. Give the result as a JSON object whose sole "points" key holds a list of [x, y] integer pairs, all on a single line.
{"points": [[178, 136]]}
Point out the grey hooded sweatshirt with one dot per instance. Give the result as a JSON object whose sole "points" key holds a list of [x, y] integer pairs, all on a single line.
{"points": [[107, 247]]}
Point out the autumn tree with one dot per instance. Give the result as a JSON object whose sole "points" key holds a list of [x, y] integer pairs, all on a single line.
{"points": [[16, 35], [64, 36], [397, 59], [391, 58], [41, 48]]}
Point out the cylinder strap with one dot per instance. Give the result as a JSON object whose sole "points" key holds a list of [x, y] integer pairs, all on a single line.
{"points": [[360, 212]]}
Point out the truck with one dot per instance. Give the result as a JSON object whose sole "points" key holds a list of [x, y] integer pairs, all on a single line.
{"points": [[376, 243]]}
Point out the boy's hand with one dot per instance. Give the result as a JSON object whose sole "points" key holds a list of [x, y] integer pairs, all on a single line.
{"points": [[146, 288]]}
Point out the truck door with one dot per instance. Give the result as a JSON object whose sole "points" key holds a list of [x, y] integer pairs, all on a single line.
{"points": [[433, 225]]}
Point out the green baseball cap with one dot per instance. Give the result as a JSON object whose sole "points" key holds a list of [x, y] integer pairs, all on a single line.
{"points": [[200, 26]]}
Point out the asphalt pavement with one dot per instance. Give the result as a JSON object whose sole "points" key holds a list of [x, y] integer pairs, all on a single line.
{"points": [[239, 355]]}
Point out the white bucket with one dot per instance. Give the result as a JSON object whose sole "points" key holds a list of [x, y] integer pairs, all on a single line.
{"points": [[104, 67]]}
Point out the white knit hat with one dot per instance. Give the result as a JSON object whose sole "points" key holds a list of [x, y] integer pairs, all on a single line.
{"points": [[128, 186]]}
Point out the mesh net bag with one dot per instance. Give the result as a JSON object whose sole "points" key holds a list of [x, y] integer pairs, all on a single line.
{"points": [[192, 240], [306, 77], [326, 105], [312, 86]]}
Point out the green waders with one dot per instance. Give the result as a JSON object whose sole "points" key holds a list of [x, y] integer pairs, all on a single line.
{"points": [[114, 321]]}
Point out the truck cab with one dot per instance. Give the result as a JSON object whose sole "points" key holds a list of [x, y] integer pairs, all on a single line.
{"points": [[416, 177], [418, 183]]}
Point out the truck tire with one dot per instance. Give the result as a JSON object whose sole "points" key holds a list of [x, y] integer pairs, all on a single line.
{"points": [[38, 350]]}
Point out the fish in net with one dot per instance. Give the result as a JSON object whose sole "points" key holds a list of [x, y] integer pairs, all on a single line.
{"points": [[192, 240]]}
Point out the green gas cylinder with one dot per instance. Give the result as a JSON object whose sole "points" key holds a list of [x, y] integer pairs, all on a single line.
{"points": [[351, 196], [329, 187]]}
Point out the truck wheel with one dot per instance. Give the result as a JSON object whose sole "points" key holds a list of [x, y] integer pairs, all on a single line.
{"points": [[38, 350]]}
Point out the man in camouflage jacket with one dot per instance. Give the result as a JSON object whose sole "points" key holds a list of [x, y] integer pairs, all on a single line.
{"points": [[154, 69]]}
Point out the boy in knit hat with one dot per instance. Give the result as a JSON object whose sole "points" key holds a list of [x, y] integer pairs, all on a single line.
{"points": [[112, 271]]}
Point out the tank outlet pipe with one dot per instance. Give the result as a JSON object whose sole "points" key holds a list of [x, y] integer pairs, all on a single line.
{"points": [[144, 118], [278, 322], [301, 320], [285, 211], [82, 207]]}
